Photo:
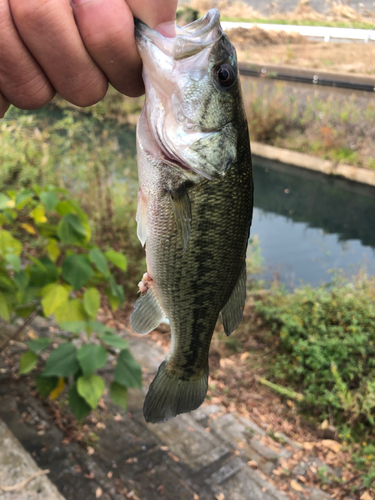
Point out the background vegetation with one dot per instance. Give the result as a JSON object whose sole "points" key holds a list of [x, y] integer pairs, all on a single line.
{"points": [[322, 339]]}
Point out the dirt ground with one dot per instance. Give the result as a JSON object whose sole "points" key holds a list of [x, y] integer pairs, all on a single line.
{"points": [[258, 46], [237, 365]]}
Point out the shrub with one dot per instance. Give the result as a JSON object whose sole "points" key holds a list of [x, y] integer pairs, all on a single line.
{"points": [[324, 340], [91, 157], [50, 267]]}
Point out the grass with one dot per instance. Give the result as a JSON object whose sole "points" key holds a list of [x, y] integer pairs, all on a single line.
{"points": [[324, 339], [339, 15], [320, 344], [334, 128], [302, 22]]}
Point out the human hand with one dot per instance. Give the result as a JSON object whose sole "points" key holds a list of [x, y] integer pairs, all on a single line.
{"points": [[72, 48]]}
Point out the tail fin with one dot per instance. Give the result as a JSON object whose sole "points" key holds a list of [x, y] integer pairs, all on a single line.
{"points": [[169, 395]]}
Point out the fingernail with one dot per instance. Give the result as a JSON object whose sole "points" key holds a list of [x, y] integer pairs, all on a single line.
{"points": [[76, 3], [167, 29]]}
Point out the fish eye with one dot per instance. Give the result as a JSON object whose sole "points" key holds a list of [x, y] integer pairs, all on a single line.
{"points": [[225, 75]]}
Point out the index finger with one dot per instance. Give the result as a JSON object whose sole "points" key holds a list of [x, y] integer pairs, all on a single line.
{"points": [[107, 30]]}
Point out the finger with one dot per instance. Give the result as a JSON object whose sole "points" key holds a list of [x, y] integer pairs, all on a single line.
{"points": [[154, 12], [22, 81], [107, 29], [4, 105], [48, 29]]}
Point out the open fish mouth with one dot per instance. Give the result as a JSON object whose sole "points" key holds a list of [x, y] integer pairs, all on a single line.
{"points": [[187, 41], [180, 73]]}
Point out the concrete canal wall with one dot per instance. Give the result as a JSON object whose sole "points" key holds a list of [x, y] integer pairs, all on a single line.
{"points": [[361, 175]]}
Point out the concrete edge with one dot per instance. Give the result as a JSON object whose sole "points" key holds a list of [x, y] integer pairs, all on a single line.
{"points": [[302, 160], [16, 465]]}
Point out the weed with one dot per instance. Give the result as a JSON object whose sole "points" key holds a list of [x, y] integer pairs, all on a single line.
{"points": [[333, 128], [278, 438], [325, 339]]}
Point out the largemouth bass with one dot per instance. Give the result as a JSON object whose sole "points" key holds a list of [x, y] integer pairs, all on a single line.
{"points": [[195, 203]]}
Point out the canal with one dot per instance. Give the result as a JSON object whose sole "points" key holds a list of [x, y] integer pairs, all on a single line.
{"points": [[309, 224]]}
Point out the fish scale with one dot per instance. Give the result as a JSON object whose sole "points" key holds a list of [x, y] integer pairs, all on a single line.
{"points": [[195, 209]]}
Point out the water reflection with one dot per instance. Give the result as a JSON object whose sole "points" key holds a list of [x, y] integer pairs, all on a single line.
{"points": [[308, 223]]}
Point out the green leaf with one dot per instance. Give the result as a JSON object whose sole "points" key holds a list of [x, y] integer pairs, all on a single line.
{"points": [[50, 199], [46, 385], [115, 293], [48, 230], [71, 207], [119, 395], [117, 259], [91, 301], [73, 326], [21, 279], [127, 371], [99, 327], [43, 272], [4, 309], [8, 244], [97, 258], [91, 388], [65, 207], [114, 340], [71, 230], [53, 249], [113, 301], [24, 312], [39, 214], [6, 284], [5, 202], [78, 405], [91, 357], [72, 310], [14, 261], [54, 296], [62, 362], [28, 361], [38, 345], [37, 189], [23, 197], [76, 270]]}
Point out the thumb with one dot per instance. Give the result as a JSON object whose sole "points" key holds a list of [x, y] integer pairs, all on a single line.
{"points": [[153, 12]]}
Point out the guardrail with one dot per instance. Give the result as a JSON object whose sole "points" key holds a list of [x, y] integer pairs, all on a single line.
{"points": [[317, 33], [309, 77]]}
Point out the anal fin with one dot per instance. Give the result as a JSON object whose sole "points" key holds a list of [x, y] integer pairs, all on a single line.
{"points": [[147, 314], [182, 212], [231, 314]]}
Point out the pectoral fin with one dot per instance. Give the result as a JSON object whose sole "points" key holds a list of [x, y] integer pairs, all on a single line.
{"points": [[231, 314], [141, 218], [182, 212], [147, 314]]}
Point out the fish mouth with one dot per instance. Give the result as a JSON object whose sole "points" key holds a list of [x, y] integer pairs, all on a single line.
{"points": [[187, 41]]}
